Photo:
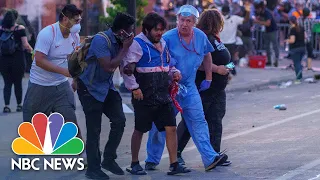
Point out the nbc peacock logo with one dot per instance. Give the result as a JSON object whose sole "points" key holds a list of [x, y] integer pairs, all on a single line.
{"points": [[47, 136]]}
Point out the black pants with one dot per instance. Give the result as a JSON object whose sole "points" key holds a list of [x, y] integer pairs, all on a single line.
{"points": [[309, 49], [214, 107], [93, 109], [12, 70]]}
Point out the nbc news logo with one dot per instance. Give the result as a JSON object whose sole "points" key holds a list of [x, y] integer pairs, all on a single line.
{"points": [[47, 136]]}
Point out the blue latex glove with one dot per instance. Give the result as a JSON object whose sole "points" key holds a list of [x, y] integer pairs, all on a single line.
{"points": [[205, 84]]}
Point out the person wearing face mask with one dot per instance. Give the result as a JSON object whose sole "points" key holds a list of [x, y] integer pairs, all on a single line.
{"points": [[190, 50], [49, 89], [98, 95], [150, 88]]}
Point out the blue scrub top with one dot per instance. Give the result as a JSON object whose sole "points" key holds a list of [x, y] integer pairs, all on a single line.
{"points": [[185, 60]]}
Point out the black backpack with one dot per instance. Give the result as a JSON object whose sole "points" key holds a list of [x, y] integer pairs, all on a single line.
{"points": [[8, 45]]}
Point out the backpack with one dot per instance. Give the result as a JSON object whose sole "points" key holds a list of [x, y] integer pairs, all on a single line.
{"points": [[77, 59], [8, 45]]}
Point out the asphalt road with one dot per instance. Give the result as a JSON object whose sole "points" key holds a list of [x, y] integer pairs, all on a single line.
{"points": [[262, 143]]}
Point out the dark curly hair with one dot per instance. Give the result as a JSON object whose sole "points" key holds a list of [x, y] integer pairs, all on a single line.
{"points": [[151, 21], [122, 21]]}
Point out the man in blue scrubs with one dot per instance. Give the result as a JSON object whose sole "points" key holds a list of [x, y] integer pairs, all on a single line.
{"points": [[190, 50]]}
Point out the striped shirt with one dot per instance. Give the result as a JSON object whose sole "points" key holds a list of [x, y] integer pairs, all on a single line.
{"points": [[307, 24]]}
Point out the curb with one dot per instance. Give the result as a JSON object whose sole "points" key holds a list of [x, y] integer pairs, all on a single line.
{"points": [[262, 86]]}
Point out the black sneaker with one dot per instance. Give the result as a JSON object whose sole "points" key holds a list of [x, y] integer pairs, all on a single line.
{"points": [[98, 174], [219, 159], [150, 166], [179, 169], [226, 163], [6, 110], [113, 167], [19, 108], [136, 170]]}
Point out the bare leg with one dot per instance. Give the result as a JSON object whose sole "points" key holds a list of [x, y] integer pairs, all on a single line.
{"points": [[135, 145], [309, 63], [171, 140]]}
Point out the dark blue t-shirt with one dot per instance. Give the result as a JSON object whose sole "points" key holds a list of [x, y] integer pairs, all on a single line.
{"points": [[267, 15], [98, 81]]}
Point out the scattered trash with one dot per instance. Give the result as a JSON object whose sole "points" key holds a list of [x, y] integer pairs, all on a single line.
{"points": [[285, 84], [243, 62], [310, 80], [273, 87], [280, 107]]}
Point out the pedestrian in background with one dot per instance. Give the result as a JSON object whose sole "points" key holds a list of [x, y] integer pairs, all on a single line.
{"points": [[297, 46], [12, 60], [307, 23], [265, 18], [229, 33]]}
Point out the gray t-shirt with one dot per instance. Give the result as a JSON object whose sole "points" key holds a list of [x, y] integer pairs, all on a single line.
{"points": [[51, 42]]}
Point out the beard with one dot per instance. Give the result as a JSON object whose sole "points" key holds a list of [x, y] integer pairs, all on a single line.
{"points": [[152, 39]]}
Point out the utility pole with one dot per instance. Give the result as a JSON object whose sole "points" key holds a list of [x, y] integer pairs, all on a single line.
{"points": [[132, 10], [85, 17]]}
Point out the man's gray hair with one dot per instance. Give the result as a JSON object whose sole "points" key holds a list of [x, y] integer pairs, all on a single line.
{"points": [[194, 18]]}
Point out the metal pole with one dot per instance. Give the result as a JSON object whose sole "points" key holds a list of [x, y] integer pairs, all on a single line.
{"points": [[85, 17], [132, 9]]}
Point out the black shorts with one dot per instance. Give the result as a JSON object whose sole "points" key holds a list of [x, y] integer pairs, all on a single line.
{"points": [[161, 115]]}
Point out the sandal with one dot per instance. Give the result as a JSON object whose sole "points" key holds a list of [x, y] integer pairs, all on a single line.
{"points": [[136, 170], [178, 170], [19, 108], [6, 110]]}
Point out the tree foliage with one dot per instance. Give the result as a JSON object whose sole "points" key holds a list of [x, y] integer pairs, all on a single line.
{"points": [[121, 6]]}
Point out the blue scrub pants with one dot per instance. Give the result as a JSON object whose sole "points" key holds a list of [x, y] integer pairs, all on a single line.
{"points": [[197, 126]]}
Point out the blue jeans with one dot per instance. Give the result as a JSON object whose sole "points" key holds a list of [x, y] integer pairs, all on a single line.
{"points": [[296, 55]]}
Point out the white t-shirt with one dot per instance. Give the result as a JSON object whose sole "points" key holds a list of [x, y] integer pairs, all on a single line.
{"points": [[51, 42], [229, 33]]}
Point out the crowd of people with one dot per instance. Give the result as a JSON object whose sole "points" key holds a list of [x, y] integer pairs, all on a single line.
{"points": [[182, 70], [251, 26]]}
